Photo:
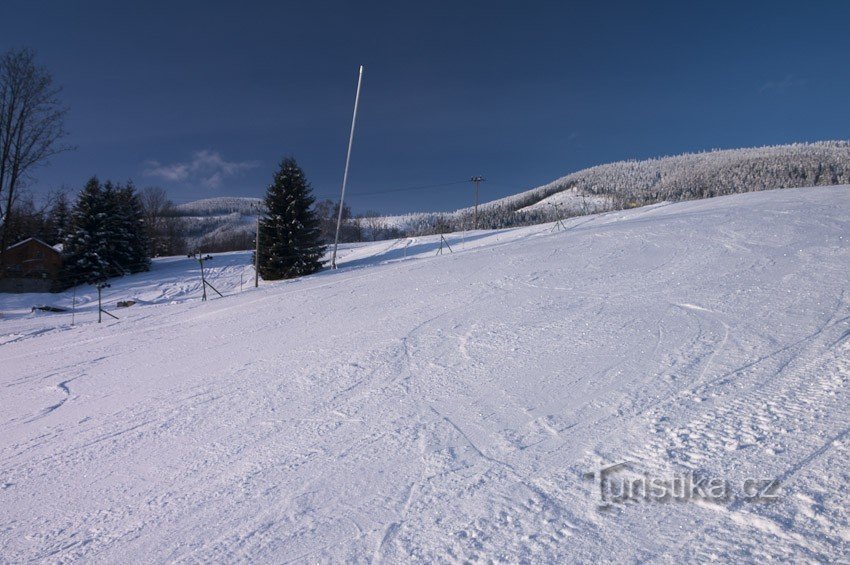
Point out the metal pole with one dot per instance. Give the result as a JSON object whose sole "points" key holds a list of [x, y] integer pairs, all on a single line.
{"points": [[257, 257], [99, 308], [476, 203], [347, 161], [476, 180], [203, 280]]}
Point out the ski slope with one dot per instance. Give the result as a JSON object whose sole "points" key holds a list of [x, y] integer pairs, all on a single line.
{"points": [[414, 407]]}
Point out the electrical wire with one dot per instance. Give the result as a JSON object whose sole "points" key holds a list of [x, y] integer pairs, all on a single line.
{"points": [[355, 194]]}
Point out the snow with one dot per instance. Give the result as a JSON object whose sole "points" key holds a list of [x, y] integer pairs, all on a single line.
{"points": [[415, 407], [575, 202]]}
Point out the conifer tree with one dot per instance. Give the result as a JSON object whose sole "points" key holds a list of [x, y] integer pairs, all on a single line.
{"points": [[290, 238], [58, 220], [86, 247], [116, 252], [107, 236], [129, 229]]}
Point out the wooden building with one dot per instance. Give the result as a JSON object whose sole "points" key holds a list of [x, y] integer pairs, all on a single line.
{"points": [[31, 266]]}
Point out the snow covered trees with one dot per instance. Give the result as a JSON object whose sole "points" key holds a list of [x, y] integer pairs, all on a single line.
{"points": [[626, 184], [107, 236], [290, 238]]}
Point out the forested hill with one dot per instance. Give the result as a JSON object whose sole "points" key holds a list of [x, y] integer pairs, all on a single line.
{"points": [[222, 205], [625, 184], [702, 175]]}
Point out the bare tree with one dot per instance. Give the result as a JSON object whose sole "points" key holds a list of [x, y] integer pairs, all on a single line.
{"points": [[154, 203], [372, 224], [164, 227], [31, 126]]}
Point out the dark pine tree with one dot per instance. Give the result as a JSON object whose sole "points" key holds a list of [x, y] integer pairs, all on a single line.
{"points": [[58, 220], [131, 225], [107, 236], [117, 251], [290, 238], [86, 249]]}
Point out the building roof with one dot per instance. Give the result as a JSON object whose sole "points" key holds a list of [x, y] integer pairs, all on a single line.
{"points": [[35, 239]]}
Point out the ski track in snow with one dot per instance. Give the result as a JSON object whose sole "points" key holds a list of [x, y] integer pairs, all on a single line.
{"points": [[413, 407]]}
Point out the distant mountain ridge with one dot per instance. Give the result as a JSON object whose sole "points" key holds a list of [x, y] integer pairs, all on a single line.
{"points": [[622, 184]]}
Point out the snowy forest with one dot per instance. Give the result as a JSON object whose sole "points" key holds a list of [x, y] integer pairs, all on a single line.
{"points": [[628, 184]]}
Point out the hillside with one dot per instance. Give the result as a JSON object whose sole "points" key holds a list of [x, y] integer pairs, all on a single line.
{"points": [[635, 183], [415, 407], [221, 206], [226, 222]]}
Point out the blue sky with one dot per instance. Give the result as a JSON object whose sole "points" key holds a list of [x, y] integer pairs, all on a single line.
{"points": [[204, 98]]}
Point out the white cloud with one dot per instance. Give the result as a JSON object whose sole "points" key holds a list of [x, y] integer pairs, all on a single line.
{"points": [[206, 167], [781, 85]]}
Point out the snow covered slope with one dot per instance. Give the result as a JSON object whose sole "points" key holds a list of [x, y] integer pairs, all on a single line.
{"points": [[413, 407]]}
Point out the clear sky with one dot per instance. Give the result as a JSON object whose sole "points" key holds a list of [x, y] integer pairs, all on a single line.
{"points": [[204, 98]]}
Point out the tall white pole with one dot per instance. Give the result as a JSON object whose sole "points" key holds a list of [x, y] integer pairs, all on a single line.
{"points": [[347, 161], [257, 255]]}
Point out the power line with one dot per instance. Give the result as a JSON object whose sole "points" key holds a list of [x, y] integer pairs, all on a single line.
{"points": [[407, 189], [370, 193]]}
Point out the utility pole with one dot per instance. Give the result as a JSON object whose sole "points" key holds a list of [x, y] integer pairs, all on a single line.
{"points": [[257, 257], [203, 278], [347, 161], [477, 180], [204, 283], [100, 286], [444, 241], [559, 225]]}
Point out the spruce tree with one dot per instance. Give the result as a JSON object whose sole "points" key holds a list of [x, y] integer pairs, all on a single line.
{"points": [[116, 252], [58, 220], [130, 230], [86, 246], [290, 238], [107, 236]]}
